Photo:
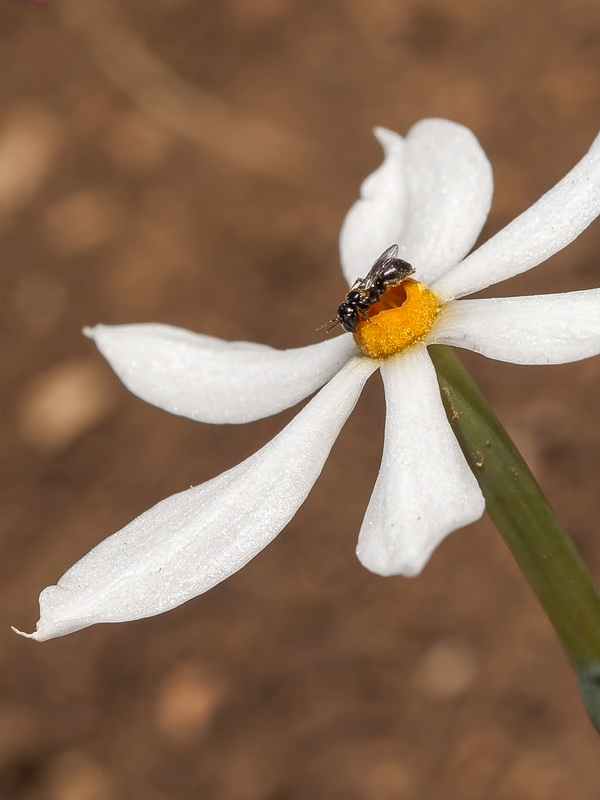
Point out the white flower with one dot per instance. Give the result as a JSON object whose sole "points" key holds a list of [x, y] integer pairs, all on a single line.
{"points": [[431, 195]]}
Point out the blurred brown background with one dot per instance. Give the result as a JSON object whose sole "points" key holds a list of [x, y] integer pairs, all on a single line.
{"points": [[190, 162]]}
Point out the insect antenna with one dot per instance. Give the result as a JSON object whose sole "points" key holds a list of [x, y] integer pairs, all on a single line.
{"points": [[332, 323]]}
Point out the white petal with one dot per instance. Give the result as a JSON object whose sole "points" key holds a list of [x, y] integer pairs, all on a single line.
{"points": [[211, 380], [538, 233], [193, 540], [425, 489], [431, 196], [376, 220], [544, 329]]}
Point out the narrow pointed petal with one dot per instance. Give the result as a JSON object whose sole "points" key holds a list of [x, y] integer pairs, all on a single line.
{"points": [[378, 218], [543, 329], [211, 380], [538, 233], [193, 540], [431, 196], [425, 489]]}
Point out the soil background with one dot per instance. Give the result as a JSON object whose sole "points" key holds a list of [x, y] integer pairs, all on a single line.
{"points": [[190, 162]]}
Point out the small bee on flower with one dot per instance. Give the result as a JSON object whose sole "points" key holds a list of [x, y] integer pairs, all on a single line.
{"points": [[387, 272]]}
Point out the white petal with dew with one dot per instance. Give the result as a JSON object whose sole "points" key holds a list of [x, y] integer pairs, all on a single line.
{"points": [[450, 188], [425, 489], [538, 233], [431, 196], [211, 380], [543, 329], [191, 541]]}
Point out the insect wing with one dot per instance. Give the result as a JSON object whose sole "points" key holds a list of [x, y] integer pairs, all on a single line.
{"points": [[379, 266]]}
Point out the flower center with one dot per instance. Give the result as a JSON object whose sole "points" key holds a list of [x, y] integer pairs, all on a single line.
{"points": [[403, 315]]}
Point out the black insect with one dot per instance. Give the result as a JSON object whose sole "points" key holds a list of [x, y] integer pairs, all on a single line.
{"points": [[386, 272]]}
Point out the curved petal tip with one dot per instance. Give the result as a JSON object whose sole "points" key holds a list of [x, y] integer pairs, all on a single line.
{"points": [[23, 634], [410, 565], [387, 138]]}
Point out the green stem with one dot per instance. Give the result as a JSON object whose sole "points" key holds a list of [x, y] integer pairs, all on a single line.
{"points": [[521, 513]]}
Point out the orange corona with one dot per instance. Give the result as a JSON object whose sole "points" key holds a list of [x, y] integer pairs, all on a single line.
{"points": [[403, 315]]}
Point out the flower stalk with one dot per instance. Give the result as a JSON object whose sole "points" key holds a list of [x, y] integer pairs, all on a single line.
{"points": [[515, 502]]}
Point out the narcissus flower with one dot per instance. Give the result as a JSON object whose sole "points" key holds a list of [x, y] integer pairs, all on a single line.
{"points": [[431, 196]]}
